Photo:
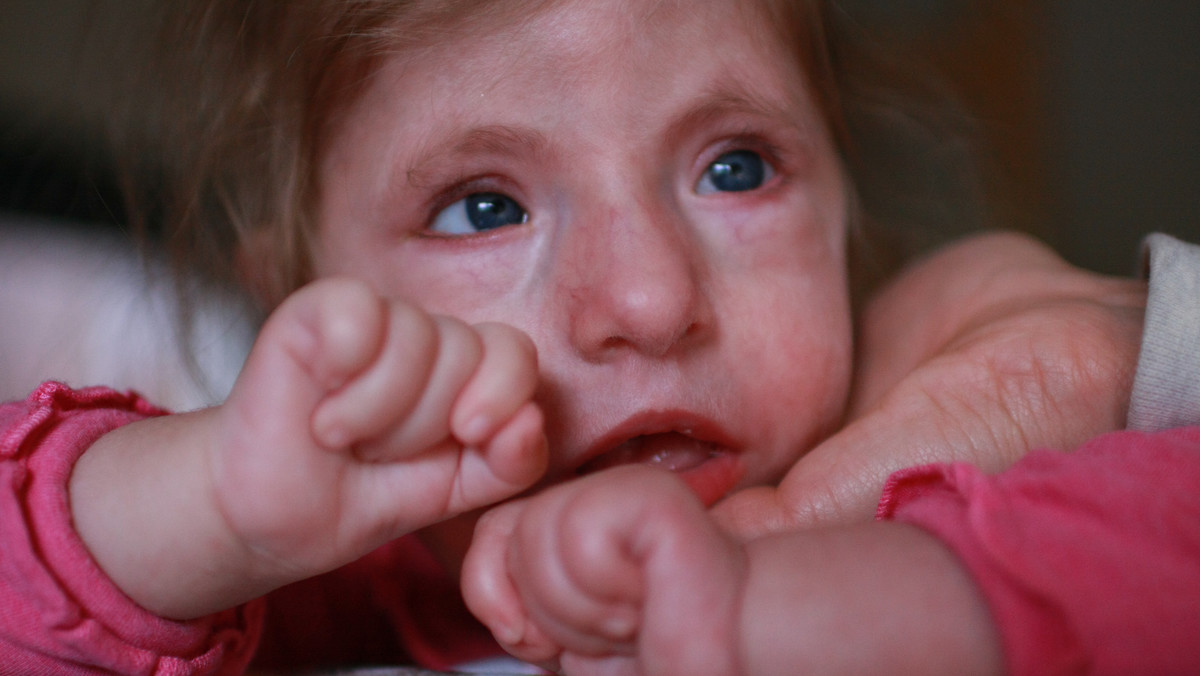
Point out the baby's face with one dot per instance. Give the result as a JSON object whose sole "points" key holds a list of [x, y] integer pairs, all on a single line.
{"points": [[649, 191]]}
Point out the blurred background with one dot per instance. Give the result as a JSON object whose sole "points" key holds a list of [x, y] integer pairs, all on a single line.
{"points": [[1088, 111]]}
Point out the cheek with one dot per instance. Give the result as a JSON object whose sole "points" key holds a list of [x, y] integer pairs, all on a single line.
{"points": [[796, 381], [799, 226], [800, 345], [468, 289], [787, 314], [474, 286]]}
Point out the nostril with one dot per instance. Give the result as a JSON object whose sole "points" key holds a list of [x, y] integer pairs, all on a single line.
{"points": [[659, 344], [638, 287], [612, 343]]}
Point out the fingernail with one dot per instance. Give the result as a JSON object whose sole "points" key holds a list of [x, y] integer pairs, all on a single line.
{"points": [[510, 632], [328, 434], [620, 625]]}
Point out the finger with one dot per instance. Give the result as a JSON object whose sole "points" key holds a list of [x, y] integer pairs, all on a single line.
{"points": [[317, 340], [330, 329], [840, 481], [387, 385], [427, 423], [445, 480], [504, 380], [486, 588], [836, 483], [511, 461], [309, 347], [573, 566], [750, 513], [600, 524], [490, 594]]}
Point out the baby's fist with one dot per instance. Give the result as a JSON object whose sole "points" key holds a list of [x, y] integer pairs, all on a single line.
{"points": [[359, 418]]}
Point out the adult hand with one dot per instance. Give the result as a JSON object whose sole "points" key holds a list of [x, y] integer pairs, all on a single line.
{"points": [[981, 352]]}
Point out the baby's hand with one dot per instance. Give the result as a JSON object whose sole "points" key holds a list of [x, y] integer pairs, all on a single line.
{"points": [[621, 572], [358, 419]]}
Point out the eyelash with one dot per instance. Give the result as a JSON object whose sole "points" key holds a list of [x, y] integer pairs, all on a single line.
{"points": [[745, 140], [464, 185], [459, 188]]}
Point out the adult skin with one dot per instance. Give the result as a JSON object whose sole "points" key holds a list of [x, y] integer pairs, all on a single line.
{"points": [[987, 349]]}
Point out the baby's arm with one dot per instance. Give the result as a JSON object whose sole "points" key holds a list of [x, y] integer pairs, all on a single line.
{"points": [[355, 420], [623, 572]]}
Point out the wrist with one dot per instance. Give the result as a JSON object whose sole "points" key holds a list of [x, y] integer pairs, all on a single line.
{"points": [[141, 500], [874, 598]]}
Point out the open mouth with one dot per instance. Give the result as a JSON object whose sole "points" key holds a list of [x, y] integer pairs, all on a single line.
{"points": [[670, 450], [709, 468]]}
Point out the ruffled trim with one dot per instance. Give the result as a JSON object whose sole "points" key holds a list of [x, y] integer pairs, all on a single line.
{"points": [[62, 614]]}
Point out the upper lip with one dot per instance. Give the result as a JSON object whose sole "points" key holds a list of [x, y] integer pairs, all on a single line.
{"points": [[651, 422]]}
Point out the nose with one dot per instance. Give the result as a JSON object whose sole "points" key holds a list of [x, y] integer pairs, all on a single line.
{"points": [[633, 279]]}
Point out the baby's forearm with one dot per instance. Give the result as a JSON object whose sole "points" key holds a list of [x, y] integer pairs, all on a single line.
{"points": [[143, 503], [878, 598]]}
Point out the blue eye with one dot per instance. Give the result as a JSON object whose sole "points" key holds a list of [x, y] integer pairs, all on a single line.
{"points": [[735, 171], [479, 212]]}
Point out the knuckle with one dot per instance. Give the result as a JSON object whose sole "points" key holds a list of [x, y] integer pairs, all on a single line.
{"points": [[508, 338], [412, 328], [458, 340]]}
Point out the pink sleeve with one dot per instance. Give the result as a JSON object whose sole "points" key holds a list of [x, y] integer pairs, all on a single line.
{"points": [[1090, 561], [60, 613]]}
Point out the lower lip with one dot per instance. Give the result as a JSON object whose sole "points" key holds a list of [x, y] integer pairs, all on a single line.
{"points": [[715, 477]]}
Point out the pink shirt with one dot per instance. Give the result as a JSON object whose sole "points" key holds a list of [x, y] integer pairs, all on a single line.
{"points": [[60, 614], [1090, 561]]}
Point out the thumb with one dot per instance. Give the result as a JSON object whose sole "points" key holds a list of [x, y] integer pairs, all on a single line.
{"points": [[840, 481], [751, 513], [310, 346]]}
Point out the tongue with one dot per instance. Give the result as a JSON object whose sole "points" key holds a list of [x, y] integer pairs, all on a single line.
{"points": [[670, 450]]}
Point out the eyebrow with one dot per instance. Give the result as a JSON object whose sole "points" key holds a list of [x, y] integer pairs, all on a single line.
{"points": [[490, 140], [508, 141], [725, 102]]}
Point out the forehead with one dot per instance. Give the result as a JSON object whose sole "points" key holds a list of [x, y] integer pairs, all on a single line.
{"points": [[633, 61], [592, 38]]}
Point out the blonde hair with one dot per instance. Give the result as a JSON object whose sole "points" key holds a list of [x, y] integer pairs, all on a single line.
{"points": [[243, 93]]}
